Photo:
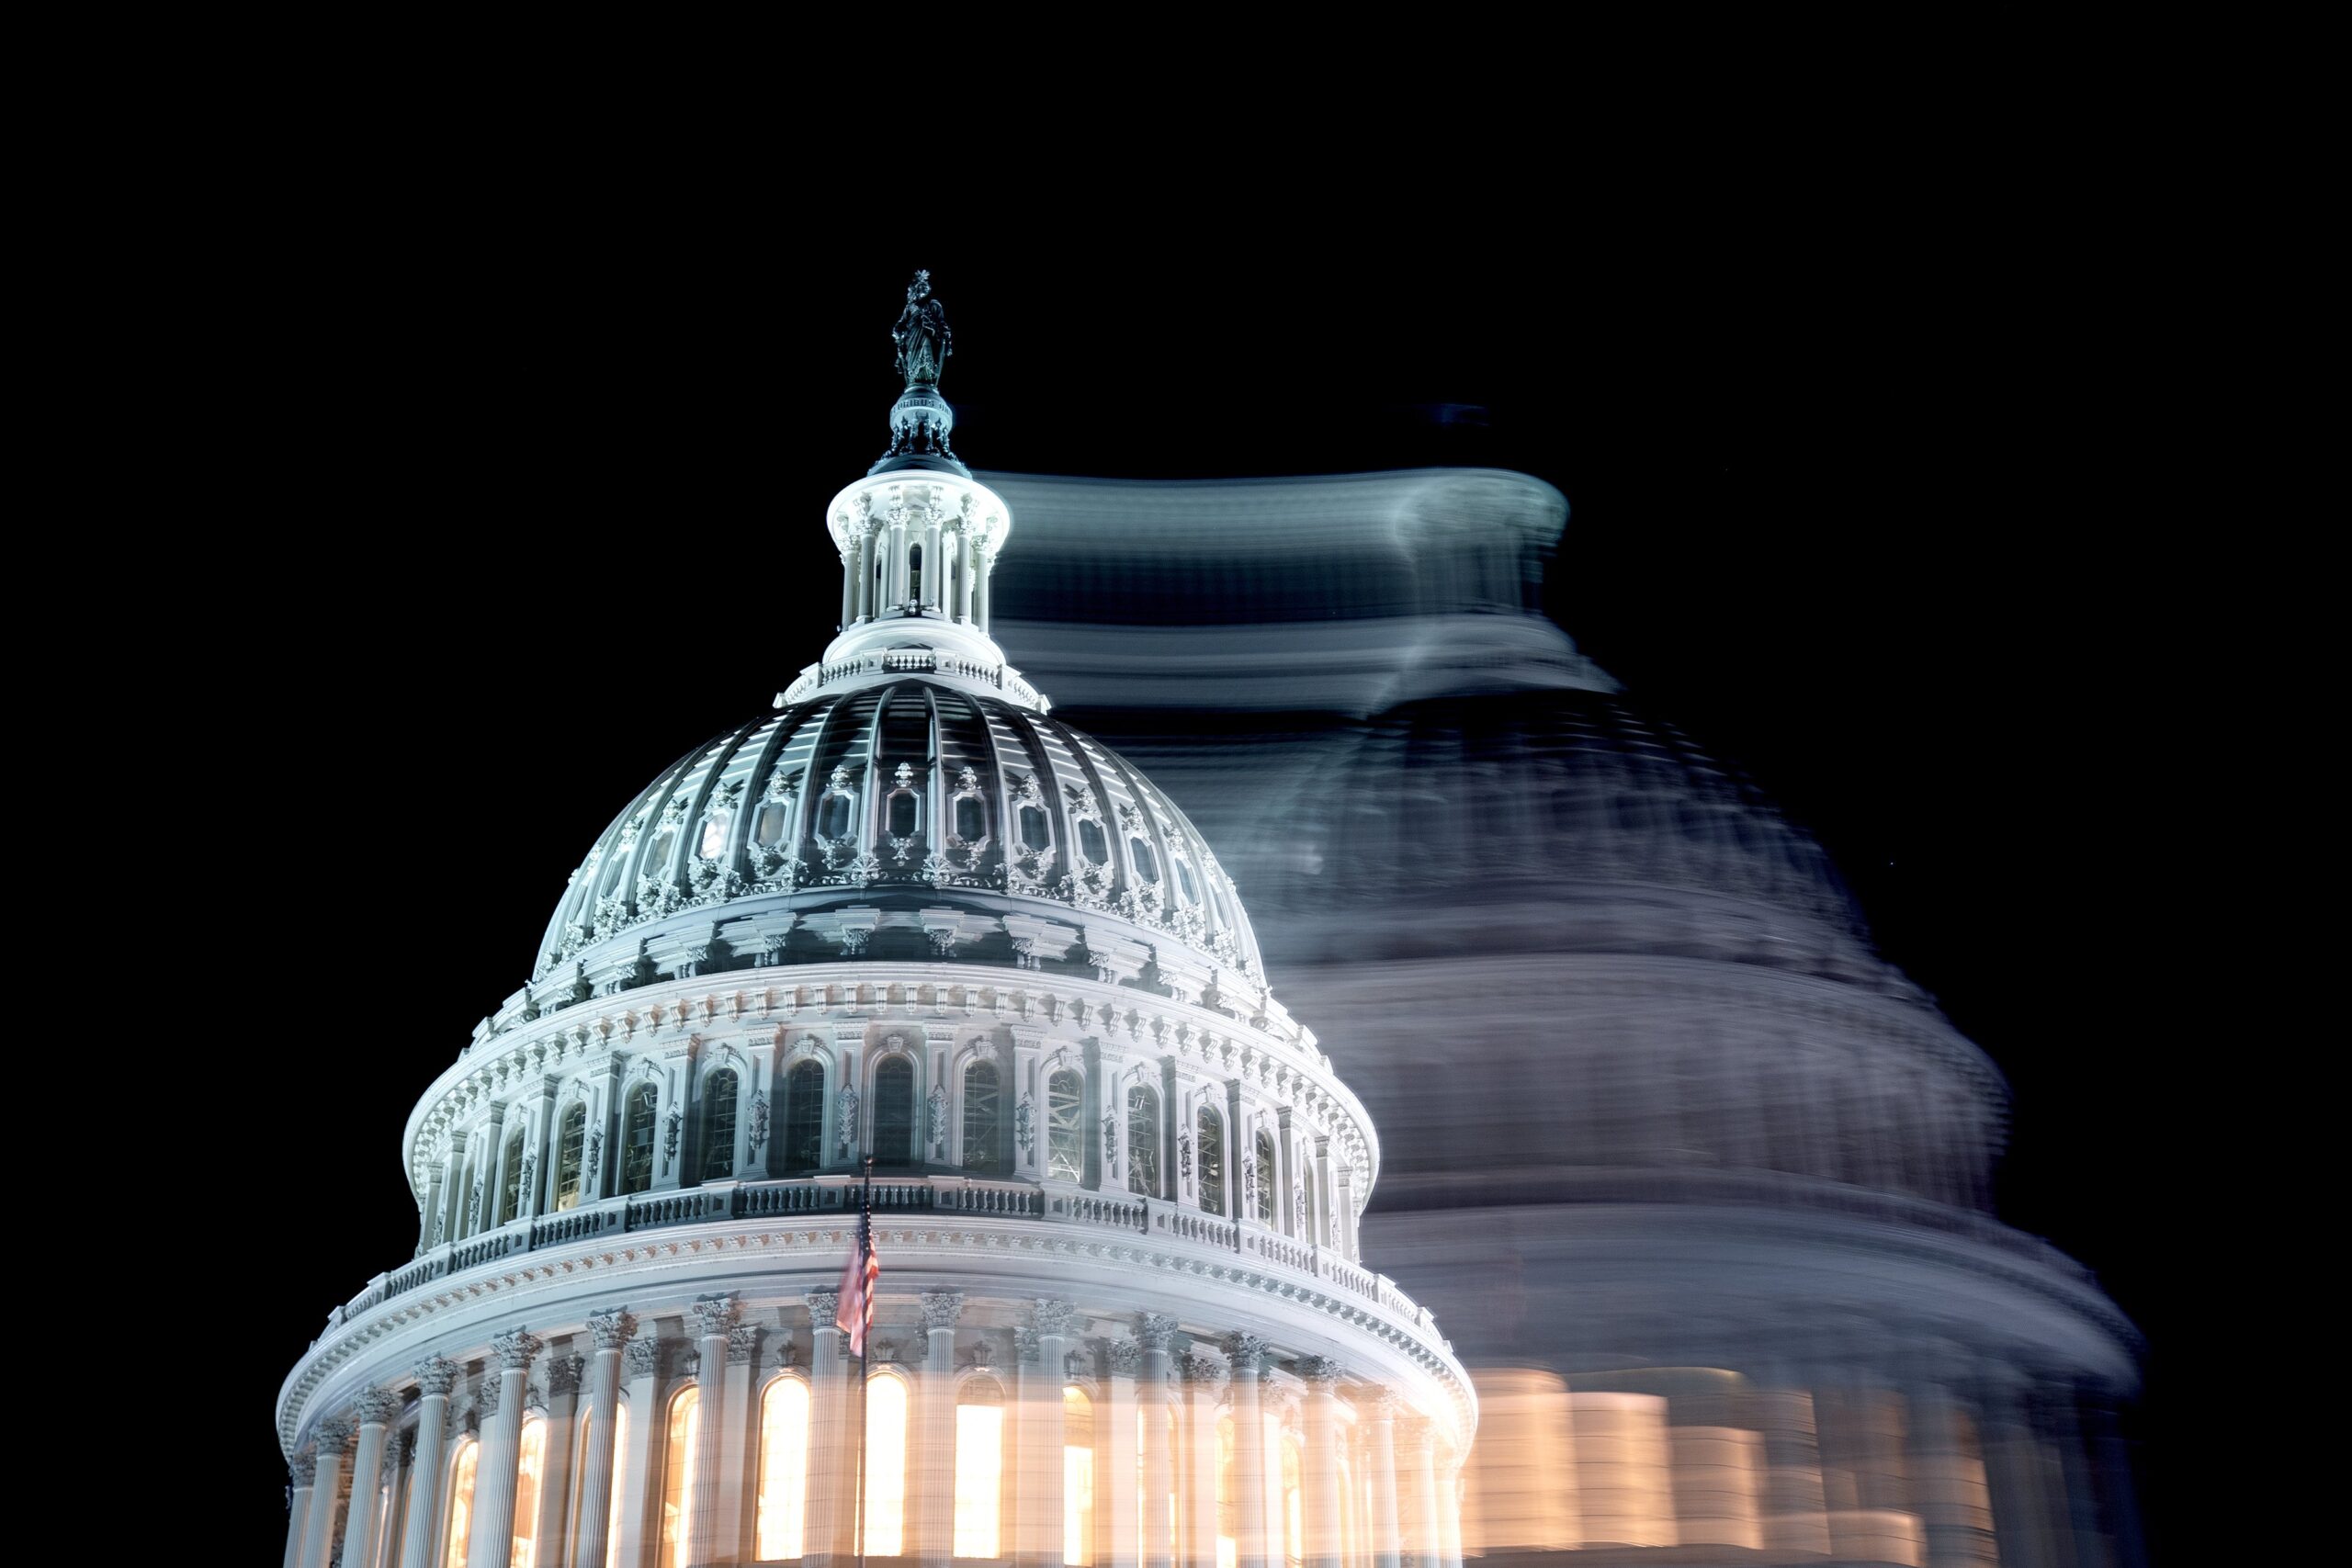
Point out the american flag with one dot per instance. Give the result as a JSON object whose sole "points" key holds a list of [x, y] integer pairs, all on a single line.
{"points": [[855, 1314]]}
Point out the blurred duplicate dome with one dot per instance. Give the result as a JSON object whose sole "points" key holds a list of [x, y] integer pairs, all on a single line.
{"points": [[1655, 1115]]}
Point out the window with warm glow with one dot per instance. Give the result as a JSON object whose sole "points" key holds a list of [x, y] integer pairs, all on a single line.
{"points": [[783, 1467], [886, 1466], [1228, 1508], [980, 1470], [1293, 1513], [677, 1476], [1078, 1478], [459, 1527], [718, 1125], [531, 1459], [579, 1470]]}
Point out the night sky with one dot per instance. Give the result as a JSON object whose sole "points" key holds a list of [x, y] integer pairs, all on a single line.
{"points": [[1849, 474]]}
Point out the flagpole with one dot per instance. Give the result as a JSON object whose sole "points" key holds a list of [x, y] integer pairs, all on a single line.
{"points": [[865, 1349]]}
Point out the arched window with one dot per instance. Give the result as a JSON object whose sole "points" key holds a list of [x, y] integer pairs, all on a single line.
{"points": [[886, 1466], [1143, 1140], [530, 1462], [457, 1524], [983, 1121], [784, 1468], [1078, 1477], [636, 1140], [1212, 1141], [979, 1468], [804, 1117], [718, 1125], [510, 1180], [914, 574], [1265, 1179], [571, 1139], [894, 1112], [1066, 1126], [677, 1476]]}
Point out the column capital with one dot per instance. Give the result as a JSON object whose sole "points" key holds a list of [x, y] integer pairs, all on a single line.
{"points": [[302, 1469], [436, 1375], [823, 1305], [1247, 1351], [742, 1343], [643, 1356], [1156, 1329], [1050, 1318], [714, 1315], [563, 1374], [1202, 1369], [940, 1309], [1380, 1402], [1320, 1371], [376, 1406], [334, 1437], [1126, 1358], [1024, 1346], [514, 1348], [611, 1327]]}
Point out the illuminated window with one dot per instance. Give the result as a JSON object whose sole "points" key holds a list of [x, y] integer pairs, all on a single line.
{"points": [[1212, 1153], [1078, 1478], [894, 1112], [458, 1526], [1143, 1467], [783, 1467], [1266, 1179], [510, 1180], [570, 1142], [1143, 1140], [767, 828], [718, 1125], [657, 859], [1065, 1126], [1229, 1508], [1091, 841], [979, 1468], [804, 1117], [983, 1124], [530, 1460], [1293, 1514], [713, 835], [886, 1466], [677, 1476], [620, 1468], [637, 1141], [579, 1472]]}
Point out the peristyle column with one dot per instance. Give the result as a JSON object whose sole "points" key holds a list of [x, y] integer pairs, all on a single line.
{"points": [[374, 1410], [610, 1330], [1322, 1503], [502, 1449], [934, 1436], [706, 1538], [300, 1471], [435, 1375], [1158, 1534], [1246, 1353], [334, 1442], [1382, 1407]]}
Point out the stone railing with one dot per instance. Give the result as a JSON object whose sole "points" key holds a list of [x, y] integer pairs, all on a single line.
{"points": [[835, 1198], [918, 661]]}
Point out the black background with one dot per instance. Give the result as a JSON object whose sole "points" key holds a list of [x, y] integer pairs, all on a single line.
{"points": [[523, 478]]}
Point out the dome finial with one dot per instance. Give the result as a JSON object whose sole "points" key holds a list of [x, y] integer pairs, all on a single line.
{"points": [[920, 419]]}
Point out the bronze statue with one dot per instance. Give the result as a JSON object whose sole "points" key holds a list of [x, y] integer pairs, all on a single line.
{"points": [[922, 334]]}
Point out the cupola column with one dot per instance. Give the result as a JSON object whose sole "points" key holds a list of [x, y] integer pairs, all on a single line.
{"points": [[1246, 1353], [1382, 1407], [828, 1401], [557, 1459], [1159, 1469], [642, 1368], [317, 1532], [1201, 1377], [1420, 1448], [610, 1330], [934, 1491], [299, 1469], [1322, 1503], [374, 1409], [435, 1375], [502, 1446], [707, 1539], [1042, 1432]]}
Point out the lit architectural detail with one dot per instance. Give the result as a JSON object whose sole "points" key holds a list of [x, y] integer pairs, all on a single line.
{"points": [[914, 916]]}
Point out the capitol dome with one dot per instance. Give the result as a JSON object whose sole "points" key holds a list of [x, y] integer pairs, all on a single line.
{"points": [[908, 957]]}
